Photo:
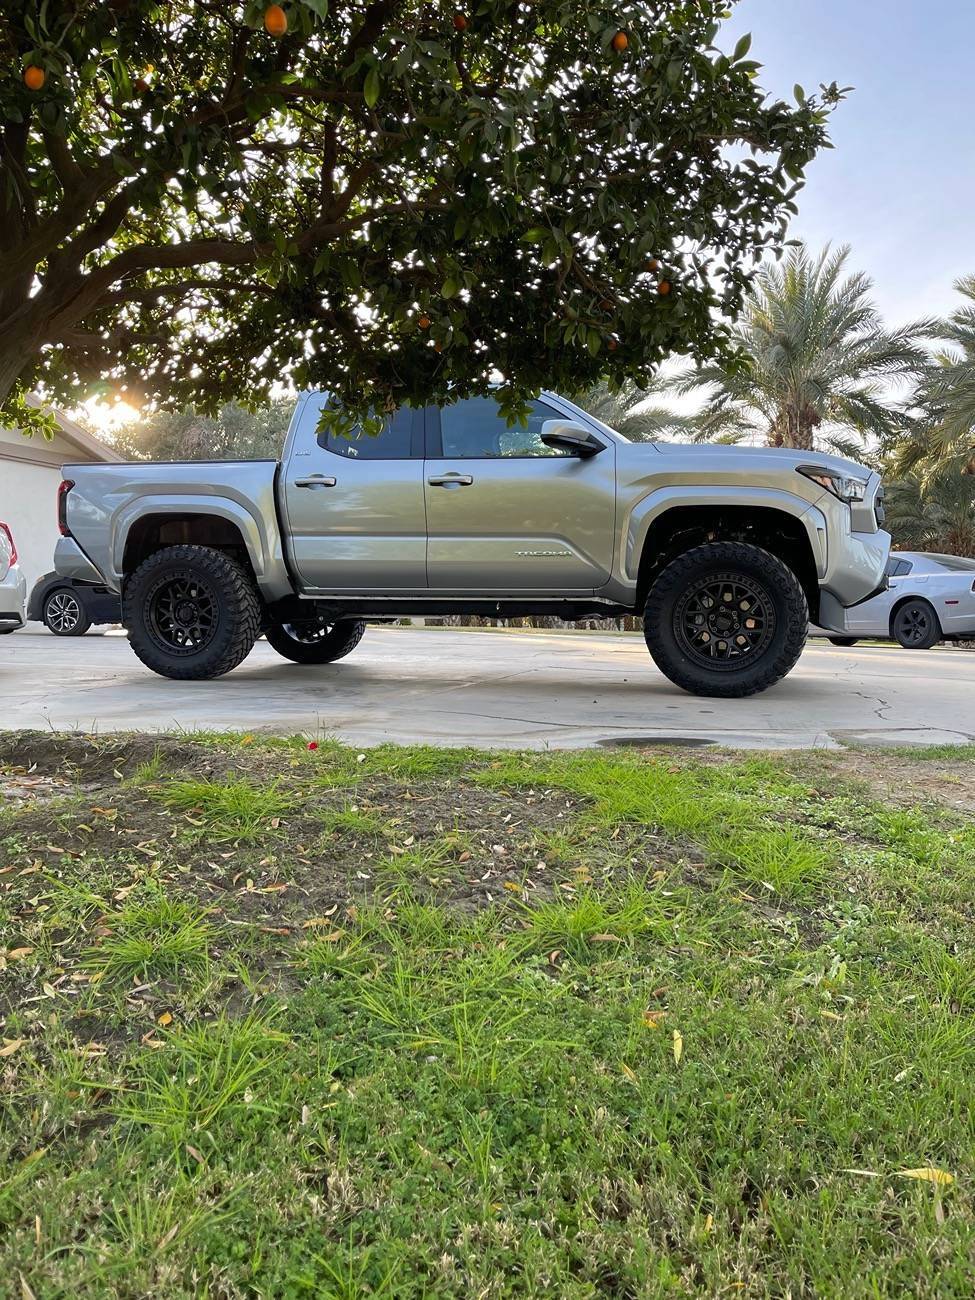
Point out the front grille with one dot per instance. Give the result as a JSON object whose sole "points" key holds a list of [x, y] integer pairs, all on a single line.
{"points": [[878, 507]]}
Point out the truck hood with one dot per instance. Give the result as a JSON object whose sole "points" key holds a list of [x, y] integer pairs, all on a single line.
{"points": [[781, 457]]}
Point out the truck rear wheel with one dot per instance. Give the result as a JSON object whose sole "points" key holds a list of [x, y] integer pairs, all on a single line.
{"points": [[315, 642], [726, 619], [191, 612]]}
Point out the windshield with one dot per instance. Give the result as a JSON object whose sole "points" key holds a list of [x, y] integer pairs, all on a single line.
{"points": [[606, 428]]}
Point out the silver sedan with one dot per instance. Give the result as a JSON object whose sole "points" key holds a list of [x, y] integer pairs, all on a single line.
{"points": [[931, 598], [13, 585]]}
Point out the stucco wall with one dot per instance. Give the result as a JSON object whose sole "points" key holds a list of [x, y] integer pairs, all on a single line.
{"points": [[30, 471], [27, 504]]}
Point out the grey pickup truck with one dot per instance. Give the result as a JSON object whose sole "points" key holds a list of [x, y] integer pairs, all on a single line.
{"points": [[726, 552]]}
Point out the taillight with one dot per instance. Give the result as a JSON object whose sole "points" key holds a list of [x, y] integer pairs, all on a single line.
{"points": [[64, 487], [13, 544]]}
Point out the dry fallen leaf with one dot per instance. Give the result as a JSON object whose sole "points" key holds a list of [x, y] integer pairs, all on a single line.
{"points": [[17, 954], [165, 1018], [678, 1046], [629, 1074], [928, 1175], [652, 1019], [512, 887], [606, 938], [10, 1045]]}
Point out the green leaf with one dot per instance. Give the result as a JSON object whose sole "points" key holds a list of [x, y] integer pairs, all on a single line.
{"points": [[535, 235], [450, 288], [742, 48], [370, 89]]}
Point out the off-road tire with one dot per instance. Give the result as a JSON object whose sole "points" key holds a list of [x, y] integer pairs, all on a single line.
{"points": [[844, 642], [50, 619], [920, 632], [785, 620], [331, 641], [235, 604]]}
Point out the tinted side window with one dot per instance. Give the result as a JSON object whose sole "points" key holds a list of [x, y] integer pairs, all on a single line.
{"points": [[476, 429], [898, 568], [392, 443]]}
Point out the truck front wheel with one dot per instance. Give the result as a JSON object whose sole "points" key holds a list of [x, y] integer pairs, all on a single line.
{"points": [[315, 642], [726, 619], [191, 612]]}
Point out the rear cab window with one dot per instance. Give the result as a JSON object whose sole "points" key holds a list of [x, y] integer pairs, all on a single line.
{"points": [[397, 440]]}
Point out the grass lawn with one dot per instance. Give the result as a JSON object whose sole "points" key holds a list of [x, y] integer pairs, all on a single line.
{"points": [[429, 1023]]}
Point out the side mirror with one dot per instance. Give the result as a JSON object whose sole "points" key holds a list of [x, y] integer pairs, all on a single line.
{"points": [[563, 435]]}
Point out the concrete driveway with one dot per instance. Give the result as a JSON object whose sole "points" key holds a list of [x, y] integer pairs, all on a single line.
{"points": [[491, 688]]}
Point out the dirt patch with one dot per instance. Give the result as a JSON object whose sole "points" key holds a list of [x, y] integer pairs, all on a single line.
{"points": [[905, 781], [90, 760]]}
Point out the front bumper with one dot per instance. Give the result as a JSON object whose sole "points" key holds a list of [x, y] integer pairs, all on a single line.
{"points": [[857, 556]]}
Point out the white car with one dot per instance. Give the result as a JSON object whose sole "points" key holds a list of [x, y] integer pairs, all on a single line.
{"points": [[13, 584], [931, 598]]}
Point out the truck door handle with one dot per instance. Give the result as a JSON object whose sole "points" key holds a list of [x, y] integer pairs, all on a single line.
{"points": [[315, 481], [451, 480]]}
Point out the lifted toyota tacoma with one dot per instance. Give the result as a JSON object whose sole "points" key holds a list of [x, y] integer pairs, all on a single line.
{"points": [[726, 552]]}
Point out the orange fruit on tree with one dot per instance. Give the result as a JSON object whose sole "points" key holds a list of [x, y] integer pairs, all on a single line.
{"points": [[620, 42], [275, 20], [424, 322], [460, 22], [664, 287], [34, 77], [612, 345], [653, 265]]}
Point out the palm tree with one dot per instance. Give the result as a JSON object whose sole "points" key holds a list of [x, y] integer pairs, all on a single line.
{"points": [[633, 411], [946, 440], [812, 362], [933, 514]]}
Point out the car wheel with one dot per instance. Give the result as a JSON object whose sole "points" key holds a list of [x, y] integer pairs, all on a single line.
{"points": [[191, 612], [726, 619], [915, 625], [843, 641], [64, 614], [315, 642]]}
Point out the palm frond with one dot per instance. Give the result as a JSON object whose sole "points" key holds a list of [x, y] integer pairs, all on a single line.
{"points": [[812, 360]]}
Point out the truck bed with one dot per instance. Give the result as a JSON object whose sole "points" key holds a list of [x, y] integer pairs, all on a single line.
{"points": [[111, 510]]}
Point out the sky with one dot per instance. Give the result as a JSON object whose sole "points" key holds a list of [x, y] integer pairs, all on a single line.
{"points": [[899, 185]]}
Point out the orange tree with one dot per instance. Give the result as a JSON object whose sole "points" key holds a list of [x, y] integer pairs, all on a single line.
{"points": [[396, 200]]}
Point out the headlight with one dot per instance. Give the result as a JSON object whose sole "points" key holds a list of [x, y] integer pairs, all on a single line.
{"points": [[845, 486]]}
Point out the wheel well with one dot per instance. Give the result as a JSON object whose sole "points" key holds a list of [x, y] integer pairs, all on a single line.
{"points": [[907, 600], [683, 527], [152, 532]]}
